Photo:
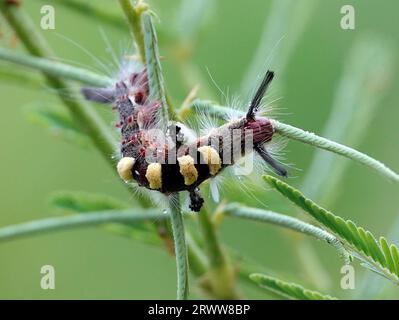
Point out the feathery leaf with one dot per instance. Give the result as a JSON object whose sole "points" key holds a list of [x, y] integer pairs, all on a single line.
{"points": [[287, 290], [361, 242]]}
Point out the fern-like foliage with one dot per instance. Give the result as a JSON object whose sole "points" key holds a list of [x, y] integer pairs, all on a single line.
{"points": [[287, 290], [378, 256], [74, 202]]}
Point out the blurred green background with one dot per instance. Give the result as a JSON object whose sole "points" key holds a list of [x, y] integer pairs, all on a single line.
{"points": [[310, 54]]}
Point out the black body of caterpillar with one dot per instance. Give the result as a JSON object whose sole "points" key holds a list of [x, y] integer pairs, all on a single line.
{"points": [[160, 161]]}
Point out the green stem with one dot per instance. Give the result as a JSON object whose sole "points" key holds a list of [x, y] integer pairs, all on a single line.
{"points": [[180, 246], [236, 210], [56, 69], [157, 91], [323, 143], [78, 221], [154, 69], [133, 15], [88, 119], [93, 219]]}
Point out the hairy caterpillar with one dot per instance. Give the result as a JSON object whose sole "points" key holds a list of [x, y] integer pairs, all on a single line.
{"points": [[160, 158]]}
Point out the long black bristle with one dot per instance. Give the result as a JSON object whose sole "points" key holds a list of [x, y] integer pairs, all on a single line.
{"points": [[272, 163], [253, 107]]}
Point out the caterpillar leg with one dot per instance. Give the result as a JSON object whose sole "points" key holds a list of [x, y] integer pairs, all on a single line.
{"points": [[270, 161], [196, 201]]}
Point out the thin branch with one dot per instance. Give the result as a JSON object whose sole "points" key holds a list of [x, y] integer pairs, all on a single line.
{"points": [[157, 91], [236, 210], [154, 69], [323, 143], [57, 69], [133, 14], [78, 221], [180, 246]]}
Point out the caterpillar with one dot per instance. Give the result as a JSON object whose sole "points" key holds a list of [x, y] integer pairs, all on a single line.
{"points": [[160, 158]]}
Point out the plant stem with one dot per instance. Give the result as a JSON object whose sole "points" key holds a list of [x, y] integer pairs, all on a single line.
{"points": [[56, 69], [90, 219], [180, 246], [221, 277], [157, 91], [236, 210], [78, 221], [133, 15], [323, 143], [92, 124], [154, 69]]}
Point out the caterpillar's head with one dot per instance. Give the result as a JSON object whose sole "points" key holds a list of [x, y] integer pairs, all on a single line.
{"points": [[261, 129]]}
